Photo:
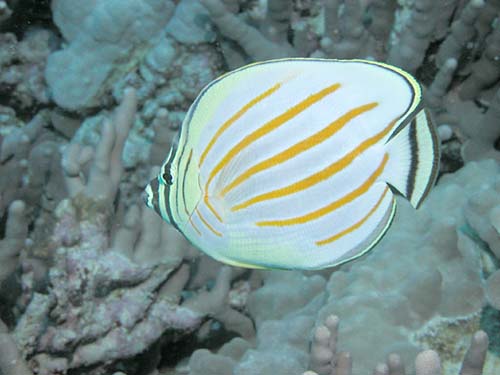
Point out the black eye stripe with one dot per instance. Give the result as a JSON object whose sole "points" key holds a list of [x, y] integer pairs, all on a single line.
{"points": [[167, 177]]}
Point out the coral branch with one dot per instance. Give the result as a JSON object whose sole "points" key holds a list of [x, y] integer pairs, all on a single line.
{"points": [[476, 355], [409, 52], [15, 238], [484, 134], [324, 359], [486, 70], [346, 36], [107, 167], [436, 92], [255, 44], [428, 363], [462, 32], [11, 361]]}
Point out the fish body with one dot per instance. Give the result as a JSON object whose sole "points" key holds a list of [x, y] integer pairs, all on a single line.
{"points": [[293, 163]]}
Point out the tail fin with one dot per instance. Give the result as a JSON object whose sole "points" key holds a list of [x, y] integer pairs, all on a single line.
{"points": [[414, 153]]}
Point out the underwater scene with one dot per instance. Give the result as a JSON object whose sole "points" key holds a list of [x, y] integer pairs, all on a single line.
{"points": [[249, 187]]}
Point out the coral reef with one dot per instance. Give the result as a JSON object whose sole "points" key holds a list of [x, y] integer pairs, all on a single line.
{"points": [[90, 282], [99, 40], [107, 300], [27, 154], [22, 65], [325, 360], [16, 232]]}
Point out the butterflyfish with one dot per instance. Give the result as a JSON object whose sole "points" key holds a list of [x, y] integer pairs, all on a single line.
{"points": [[295, 163]]}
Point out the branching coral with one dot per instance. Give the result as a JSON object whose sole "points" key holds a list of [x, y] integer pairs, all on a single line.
{"points": [[26, 160], [249, 38], [16, 233], [485, 71], [110, 300], [325, 360], [409, 51], [104, 283], [462, 31], [480, 146], [22, 65], [407, 37], [345, 36], [107, 168], [11, 361]]}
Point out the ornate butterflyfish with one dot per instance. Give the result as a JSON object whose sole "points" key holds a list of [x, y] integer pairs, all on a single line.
{"points": [[295, 163]]}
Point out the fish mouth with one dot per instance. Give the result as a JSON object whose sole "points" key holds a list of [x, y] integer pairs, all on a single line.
{"points": [[147, 196]]}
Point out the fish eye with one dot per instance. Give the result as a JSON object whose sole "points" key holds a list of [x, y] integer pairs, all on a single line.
{"points": [[167, 177]]}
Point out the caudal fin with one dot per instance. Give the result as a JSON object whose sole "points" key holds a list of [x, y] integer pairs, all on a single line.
{"points": [[414, 155]]}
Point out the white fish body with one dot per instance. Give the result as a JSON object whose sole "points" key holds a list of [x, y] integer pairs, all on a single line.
{"points": [[287, 163]]}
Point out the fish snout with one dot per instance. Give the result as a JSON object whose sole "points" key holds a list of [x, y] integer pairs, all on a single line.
{"points": [[147, 197]]}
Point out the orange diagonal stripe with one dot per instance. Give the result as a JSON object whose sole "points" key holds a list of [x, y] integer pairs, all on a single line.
{"points": [[300, 147], [269, 127], [194, 226], [235, 117], [355, 226], [207, 224], [211, 208], [320, 176], [363, 188]]}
